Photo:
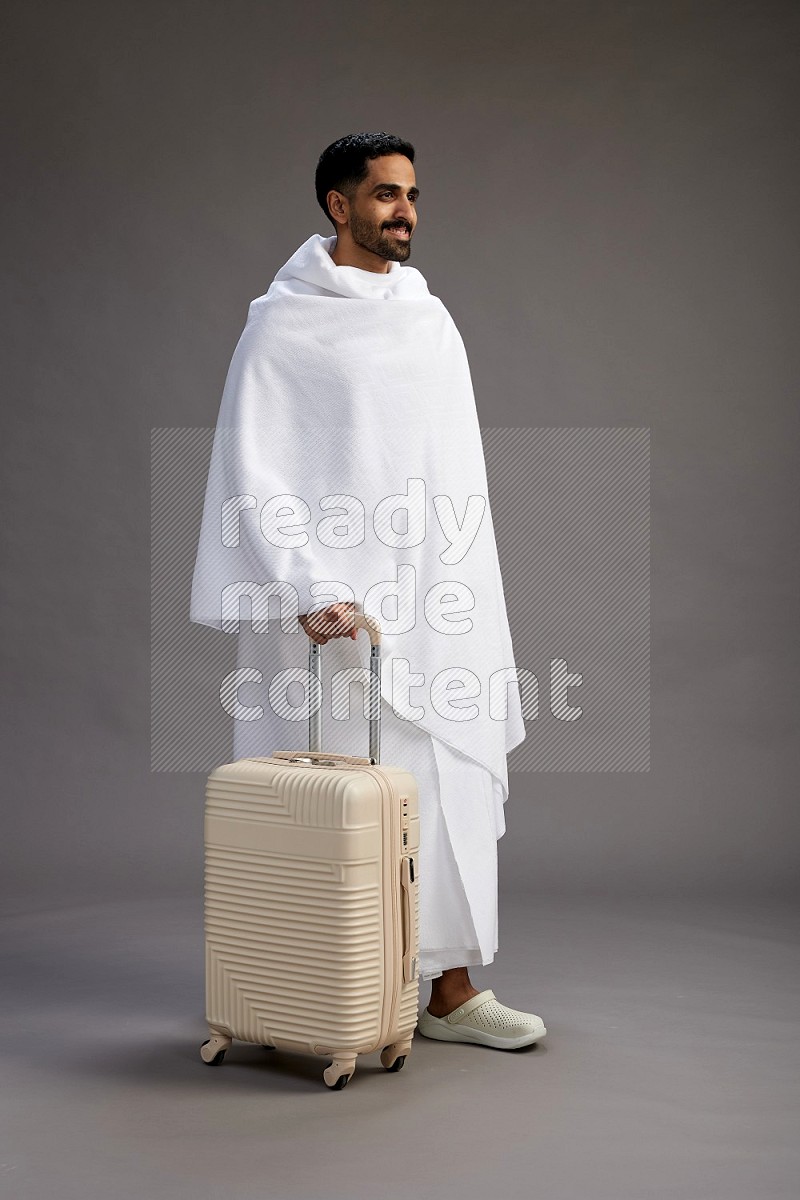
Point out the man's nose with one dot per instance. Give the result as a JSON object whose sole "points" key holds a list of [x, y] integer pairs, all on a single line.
{"points": [[405, 212]]}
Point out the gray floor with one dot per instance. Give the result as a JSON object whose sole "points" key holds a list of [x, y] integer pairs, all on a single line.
{"points": [[670, 1068]]}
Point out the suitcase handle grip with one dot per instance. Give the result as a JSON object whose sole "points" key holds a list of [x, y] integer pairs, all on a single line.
{"points": [[365, 621]]}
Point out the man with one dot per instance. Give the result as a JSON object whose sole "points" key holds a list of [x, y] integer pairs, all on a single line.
{"points": [[350, 391]]}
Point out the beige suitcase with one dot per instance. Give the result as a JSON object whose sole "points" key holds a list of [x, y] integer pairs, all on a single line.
{"points": [[310, 900]]}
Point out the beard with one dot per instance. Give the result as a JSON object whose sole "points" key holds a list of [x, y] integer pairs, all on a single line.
{"points": [[379, 241]]}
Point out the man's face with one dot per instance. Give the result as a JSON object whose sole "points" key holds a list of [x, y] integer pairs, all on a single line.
{"points": [[382, 213]]}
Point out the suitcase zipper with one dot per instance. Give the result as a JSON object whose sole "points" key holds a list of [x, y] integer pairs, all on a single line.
{"points": [[397, 918], [397, 911]]}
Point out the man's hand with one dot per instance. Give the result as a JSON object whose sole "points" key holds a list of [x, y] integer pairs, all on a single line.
{"points": [[334, 621]]}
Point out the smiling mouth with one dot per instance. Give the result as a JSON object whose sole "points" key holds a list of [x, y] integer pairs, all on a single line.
{"points": [[400, 231]]}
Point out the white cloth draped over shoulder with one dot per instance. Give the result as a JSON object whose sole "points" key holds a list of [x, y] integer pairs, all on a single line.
{"points": [[347, 456]]}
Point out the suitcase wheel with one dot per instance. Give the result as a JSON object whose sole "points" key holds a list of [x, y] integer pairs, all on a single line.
{"points": [[393, 1057], [337, 1073], [213, 1056]]}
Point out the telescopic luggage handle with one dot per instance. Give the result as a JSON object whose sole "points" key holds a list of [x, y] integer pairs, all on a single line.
{"points": [[360, 621]]}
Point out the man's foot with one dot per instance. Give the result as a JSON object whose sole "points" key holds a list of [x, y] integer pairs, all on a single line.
{"points": [[485, 1021], [448, 990], [443, 1003]]}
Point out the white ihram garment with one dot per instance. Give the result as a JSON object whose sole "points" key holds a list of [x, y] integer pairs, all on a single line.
{"points": [[348, 384]]}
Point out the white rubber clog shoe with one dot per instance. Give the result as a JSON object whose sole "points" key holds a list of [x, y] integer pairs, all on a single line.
{"points": [[485, 1021]]}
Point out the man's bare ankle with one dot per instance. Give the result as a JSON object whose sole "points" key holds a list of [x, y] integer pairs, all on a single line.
{"points": [[448, 995]]}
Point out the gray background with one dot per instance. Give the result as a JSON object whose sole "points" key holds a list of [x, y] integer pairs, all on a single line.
{"points": [[608, 209]]}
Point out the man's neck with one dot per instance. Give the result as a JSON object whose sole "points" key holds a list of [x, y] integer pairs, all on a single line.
{"points": [[353, 255]]}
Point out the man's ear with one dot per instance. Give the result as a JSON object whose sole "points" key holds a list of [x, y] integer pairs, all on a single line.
{"points": [[337, 207]]}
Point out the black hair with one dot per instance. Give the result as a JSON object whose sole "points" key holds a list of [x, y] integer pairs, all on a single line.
{"points": [[344, 164]]}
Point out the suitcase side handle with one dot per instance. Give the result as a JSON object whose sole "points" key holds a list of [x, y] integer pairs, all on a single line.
{"points": [[407, 883], [361, 621]]}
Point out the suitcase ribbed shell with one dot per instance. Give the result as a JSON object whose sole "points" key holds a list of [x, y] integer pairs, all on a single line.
{"points": [[308, 905]]}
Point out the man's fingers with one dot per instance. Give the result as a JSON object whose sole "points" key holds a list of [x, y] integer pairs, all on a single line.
{"points": [[334, 621], [339, 620]]}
